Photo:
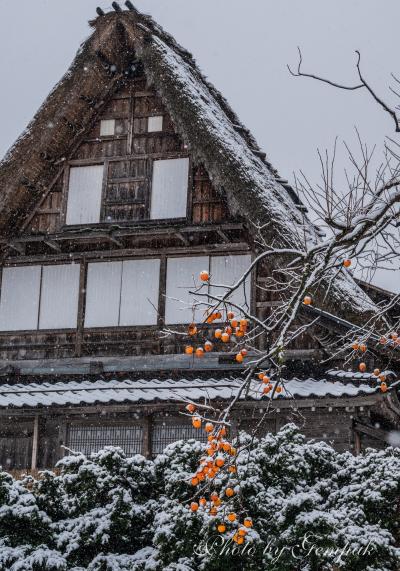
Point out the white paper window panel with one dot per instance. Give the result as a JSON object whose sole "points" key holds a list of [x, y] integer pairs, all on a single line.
{"points": [[84, 194], [19, 303], [183, 276], [59, 297], [226, 270], [155, 124], [107, 127], [103, 292], [169, 189], [139, 292]]}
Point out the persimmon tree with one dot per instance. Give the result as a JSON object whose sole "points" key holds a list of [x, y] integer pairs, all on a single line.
{"points": [[360, 223]]}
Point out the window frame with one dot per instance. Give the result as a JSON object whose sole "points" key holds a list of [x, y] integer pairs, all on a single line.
{"points": [[149, 158], [104, 120], [118, 327], [37, 330], [64, 204], [153, 117], [252, 279], [189, 193]]}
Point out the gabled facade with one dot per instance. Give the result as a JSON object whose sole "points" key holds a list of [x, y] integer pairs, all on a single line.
{"points": [[134, 176]]}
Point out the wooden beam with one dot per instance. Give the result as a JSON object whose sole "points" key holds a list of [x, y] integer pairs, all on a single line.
{"points": [[357, 442], [101, 231], [182, 237], [222, 235], [53, 245], [35, 443], [377, 433], [113, 240], [62, 438], [147, 429], [266, 304], [238, 247], [20, 248], [80, 324], [130, 6]]}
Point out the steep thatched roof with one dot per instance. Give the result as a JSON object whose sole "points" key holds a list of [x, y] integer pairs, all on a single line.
{"points": [[210, 128]]}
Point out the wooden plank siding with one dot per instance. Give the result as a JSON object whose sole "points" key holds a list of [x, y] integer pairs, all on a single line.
{"points": [[148, 428]]}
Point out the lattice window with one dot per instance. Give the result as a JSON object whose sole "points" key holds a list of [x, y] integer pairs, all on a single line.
{"points": [[88, 439], [164, 434]]}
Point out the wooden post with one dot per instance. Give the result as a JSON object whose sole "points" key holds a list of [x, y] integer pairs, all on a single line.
{"points": [[35, 443], [146, 445], [357, 443], [81, 308], [162, 291], [62, 439]]}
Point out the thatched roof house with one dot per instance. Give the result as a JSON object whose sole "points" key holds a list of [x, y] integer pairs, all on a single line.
{"points": [[85, 244]]}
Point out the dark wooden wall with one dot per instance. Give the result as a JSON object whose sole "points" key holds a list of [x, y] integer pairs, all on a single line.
{"points": [[162, 424], [127, 156]]}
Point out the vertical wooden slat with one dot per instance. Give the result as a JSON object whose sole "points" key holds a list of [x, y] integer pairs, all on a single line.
{"points": [[81, 308], [162, 291], [147, 429], [131, 120], [104, 190], [62, 439], [35, 442], [357, 443], [189, 200]]}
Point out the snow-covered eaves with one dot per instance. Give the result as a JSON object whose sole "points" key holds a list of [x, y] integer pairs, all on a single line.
{"points": [[358, 376], [77, 393]]}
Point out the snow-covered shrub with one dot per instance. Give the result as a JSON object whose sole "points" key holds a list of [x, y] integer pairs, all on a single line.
{"points": [[313, 509], [101, 504]]}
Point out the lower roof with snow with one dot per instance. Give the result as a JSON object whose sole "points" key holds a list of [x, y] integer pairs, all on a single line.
{"points": [[76, 393]]}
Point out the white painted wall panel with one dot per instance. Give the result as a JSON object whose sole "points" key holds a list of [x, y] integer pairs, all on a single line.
{"points": [[226, 270], [169, 188], [182, 275], [139, 293], [155, 124], [103, 291], [59, 297], [84, 194], [19, 303], [107, 127]]}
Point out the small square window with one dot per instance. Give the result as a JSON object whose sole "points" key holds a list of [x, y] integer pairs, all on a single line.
{"points": [[107, 127], [155, 124]]}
